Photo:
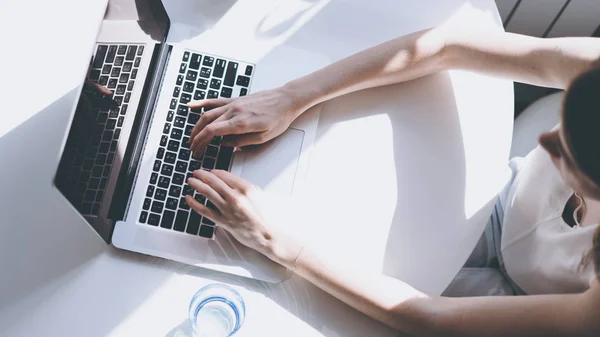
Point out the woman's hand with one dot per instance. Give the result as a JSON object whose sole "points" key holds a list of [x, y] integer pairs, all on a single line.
{"points": [[239, 209], [247, 120]]}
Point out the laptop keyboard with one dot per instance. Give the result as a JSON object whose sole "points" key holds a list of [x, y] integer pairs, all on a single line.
{"points": [[200, 76], [84, 169]]}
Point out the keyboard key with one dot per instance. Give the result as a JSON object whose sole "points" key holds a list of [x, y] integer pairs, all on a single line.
{"points": [[212, 206], [226, 92], [195, 61], [104, 146], [153, 178], [183, 204], [178, 179], [180, 221], [164, 182], [157, 206], [173, 145], [181, 166], [160, 194], [100, 194], [191, 75], [153, 219], [243, 92], [97, 171], [112, 83], [106, 69], [202, 84], [130, 85], [124, 78], [86, 208], [150, 191], [119, 61], [173, 104], [205, 72], [182, 68], [163, 140], [170, 157], [167, 219], [110, 157], [103, 80], [167, 128], [123, 109], [147, 203], [140, 50], [156, 166], [200, 198], [194, 165], [120, 121], [167, 170], [121, 89], [134, 74], [182, 110], [188, 87], [118, 100], [187, 190], [143, 217], [224, 158], [137, 61], [105, 172], [184, 154], [110, 56], [128, 66], [206, 221], [170, 116], [176, 133], [185, 98], [179, 80], [208, 61], [179, 122], [122, 50], [208, 163], [193, 118], [186, 56], [215, 83], [90, 195], [206, 231], [100, 160], [175, 191], [219, 68], [230, 74], [117, 134], [199, 95], [102, 117], [171, 203], [213, 94], [243, 81], [100, 55], [131, 53], [211, 151], [248, 70], [193, 223], [107, 135], [160, 153]]}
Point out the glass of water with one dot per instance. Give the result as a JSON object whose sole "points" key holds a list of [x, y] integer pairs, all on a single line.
{"points": [[217, 310]]}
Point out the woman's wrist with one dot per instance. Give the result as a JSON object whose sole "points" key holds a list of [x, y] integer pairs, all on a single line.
{"points": [[284, 250], [301, 96]]}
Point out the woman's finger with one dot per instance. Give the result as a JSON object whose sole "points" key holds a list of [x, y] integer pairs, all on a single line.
{"points": [[205, 119], [97, 87], [215, 183], [214, 102], [211, 131], [203, 210], [233, 181], [207, 191]]}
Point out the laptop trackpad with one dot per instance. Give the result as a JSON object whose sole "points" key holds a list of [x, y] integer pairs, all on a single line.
{"points": [[272, 166]]}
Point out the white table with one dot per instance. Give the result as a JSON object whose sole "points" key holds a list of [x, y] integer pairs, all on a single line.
{"points": [[407, 171]]}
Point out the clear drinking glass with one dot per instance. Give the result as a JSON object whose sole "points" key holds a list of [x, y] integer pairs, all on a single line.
{"points": [[217, 310]]}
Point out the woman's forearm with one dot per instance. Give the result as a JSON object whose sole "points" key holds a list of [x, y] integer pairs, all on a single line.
{"points": [[398, 60]]}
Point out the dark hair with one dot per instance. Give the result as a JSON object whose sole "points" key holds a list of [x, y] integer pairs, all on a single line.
{"points": [[581, 125]]}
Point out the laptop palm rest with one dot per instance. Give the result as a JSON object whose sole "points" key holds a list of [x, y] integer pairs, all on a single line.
{"points": [[272, 166]]}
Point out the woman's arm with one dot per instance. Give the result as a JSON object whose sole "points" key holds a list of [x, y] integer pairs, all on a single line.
{"points": [[388, 300], [262, 116]]}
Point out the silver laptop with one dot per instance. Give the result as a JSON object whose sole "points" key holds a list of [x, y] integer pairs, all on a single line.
{"points": [[126, 159]]}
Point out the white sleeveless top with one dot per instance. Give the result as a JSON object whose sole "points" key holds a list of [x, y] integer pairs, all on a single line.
{"points": [[542, 253]]}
